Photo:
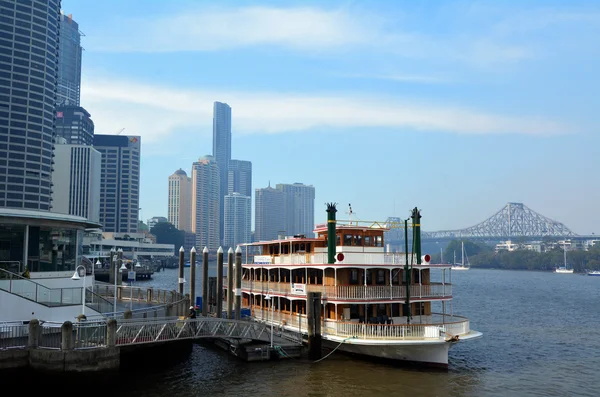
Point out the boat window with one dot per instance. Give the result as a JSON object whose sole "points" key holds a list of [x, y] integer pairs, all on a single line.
{"points": [[419, 309], [308, 247], [379, 241], [357, 241], [416, 277], [395, 310], [354, 276], [380, 277], [368, 241], [337, 240], [395, 276], [354, 311], [369, 277], [347, 239]]}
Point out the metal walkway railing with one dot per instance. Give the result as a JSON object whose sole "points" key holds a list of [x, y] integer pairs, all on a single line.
{"points": [[123, 333]]}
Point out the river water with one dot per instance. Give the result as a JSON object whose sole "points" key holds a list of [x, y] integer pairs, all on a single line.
{"points": [[541, 338]]}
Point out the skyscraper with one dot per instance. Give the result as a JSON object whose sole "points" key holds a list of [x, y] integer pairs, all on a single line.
{"points": [[180, 201], [28, 62], [76, 179], [69, 62], [222, 134], [238, 218], [119, 182], [269, 218], [222, 150], [206, 203], [239, 177], [299, 208], [74, 124]]}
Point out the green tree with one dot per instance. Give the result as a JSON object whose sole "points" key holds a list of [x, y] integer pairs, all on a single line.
{"points": [[166, 233]]}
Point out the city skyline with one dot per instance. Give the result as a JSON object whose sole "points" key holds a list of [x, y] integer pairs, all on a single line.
{"points": [[456, 108]]}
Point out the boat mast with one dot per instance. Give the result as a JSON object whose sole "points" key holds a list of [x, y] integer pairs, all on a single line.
{"points": [[406, 273], [463, 254]]}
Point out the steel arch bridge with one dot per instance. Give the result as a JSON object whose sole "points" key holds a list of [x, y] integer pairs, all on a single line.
{"points": [[512, 221]]}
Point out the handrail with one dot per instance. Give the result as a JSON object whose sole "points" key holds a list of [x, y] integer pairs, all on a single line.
{"points": [[39, 293]]}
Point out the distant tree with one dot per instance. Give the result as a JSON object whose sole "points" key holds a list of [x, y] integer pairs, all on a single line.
{"points": [[167, 233]]}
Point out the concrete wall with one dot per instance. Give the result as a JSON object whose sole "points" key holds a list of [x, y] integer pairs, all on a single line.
{"points": [[91, 360], [15, 308]]}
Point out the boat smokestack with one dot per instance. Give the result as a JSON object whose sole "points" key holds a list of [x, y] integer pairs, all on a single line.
{"points": [[331, 210], [416, 221]]}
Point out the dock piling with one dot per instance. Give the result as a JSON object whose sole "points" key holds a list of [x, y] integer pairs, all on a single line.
{"points": [[219, 310], [192, 277], [181, 278], [238, 283], [230, 277], [313, 318], [205, 282]]}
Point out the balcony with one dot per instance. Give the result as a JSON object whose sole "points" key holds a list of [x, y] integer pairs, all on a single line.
{"points": [[433, 327], [353, 292]]}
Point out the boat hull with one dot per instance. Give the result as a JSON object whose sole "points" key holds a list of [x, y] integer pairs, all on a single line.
{"points": [[427, 354], [563, 271], [594, 274]]}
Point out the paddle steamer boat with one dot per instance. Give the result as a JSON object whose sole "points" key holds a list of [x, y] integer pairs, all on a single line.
{"points": [[373, 303]]}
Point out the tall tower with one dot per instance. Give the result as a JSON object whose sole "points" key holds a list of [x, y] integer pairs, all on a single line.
{"points": [[28, 62], [206, 203], [222, 150], [239, 177], [299, 208], [69, 62], [268, 213], [238, 218], [180, 201], [119, 182]]}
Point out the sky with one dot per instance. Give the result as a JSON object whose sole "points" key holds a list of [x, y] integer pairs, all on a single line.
{"points": [[455, 107]]}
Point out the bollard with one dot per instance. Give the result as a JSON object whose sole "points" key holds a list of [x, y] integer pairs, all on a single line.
{"points": [[219, 310], [230, 277], [67, 336], [205, 282], [193, 276], [33, 340], [111, 332], [169, 310], [238, 283], [128, 315], [149, 295], [181, 265], [119, 292]]}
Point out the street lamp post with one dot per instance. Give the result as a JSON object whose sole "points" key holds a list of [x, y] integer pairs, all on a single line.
{"points": [[115, 262], [76, 277], [271, 298]]}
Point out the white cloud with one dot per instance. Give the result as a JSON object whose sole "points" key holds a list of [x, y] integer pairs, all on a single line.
{"points": [[216, 29], [156, 112]]}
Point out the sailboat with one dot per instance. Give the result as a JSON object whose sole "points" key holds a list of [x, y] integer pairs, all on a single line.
{"points": [[461, 266], [563, 269]]}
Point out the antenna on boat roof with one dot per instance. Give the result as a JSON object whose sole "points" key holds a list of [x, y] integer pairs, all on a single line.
{"points": [[350, 213]]}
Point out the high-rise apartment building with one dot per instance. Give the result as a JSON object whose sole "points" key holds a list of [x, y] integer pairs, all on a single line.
{"points": [[299, 208], [119, 182], [28, 63], [180, 200], [238, 218], [76, 179], [239, 177], [74, 124], [206, 203], [69, 62], [222, 150], [269, 219]]}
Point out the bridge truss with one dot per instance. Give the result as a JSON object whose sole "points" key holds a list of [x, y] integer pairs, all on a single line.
{"points": [[513, 220]]}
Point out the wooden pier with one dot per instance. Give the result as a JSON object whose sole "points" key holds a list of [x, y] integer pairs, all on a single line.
{"points": [[142, 274]]}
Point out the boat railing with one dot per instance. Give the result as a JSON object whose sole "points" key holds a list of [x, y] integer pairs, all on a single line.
{"points": [[320, 258], [437, 326], [353, 292]]}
